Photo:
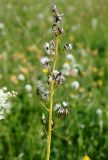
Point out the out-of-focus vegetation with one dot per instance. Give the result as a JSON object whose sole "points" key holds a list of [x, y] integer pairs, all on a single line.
{"points": [[24, 28]]}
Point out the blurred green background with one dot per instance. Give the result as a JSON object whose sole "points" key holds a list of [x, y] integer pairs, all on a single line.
{"points": [[24, 28]]}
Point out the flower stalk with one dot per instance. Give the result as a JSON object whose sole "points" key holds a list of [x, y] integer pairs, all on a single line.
{"points": [[51, 102], [54, 79]]}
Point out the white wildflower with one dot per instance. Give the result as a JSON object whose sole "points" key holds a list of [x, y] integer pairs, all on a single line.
{"points": [[28, 88], [1, 116], [47, 47], [75, 85], [45, 60], [5, 88], [21, 77], [66, 69], [5, 103], [70, 57], [98, 111]]}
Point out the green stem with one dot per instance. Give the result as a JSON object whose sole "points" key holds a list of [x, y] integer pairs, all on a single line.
{"points": [[51, 103]]}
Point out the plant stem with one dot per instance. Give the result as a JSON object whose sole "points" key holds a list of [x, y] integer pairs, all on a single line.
{"points": [[51, 102]]}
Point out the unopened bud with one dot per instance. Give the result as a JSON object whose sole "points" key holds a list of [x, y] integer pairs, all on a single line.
{"points": [[43, 119]]}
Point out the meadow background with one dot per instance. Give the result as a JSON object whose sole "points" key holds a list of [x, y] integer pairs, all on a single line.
{"points": [[24, 28]]}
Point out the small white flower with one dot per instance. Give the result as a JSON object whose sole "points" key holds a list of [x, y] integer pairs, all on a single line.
{"points": [[57, 106], [55, 72], [46, 45], [45, 60], [70, 57], [1, 25], [14, 93], [28, 88], [70, 46], [21, 77], [43, 116], [5, 88], [47, 48], [1, 117], [5, 104], [75, 85], [66, 69], [98, 111]]}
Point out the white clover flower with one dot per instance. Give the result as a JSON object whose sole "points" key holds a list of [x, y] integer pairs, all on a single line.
{"points": [[70, 57], [66, 69], [28, 88], [98, 111], [5, 103], [21, 77], [75, 85]]}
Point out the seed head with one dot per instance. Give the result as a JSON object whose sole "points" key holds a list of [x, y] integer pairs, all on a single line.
{"points": [[57, 16], [68, 46], [57, 30]]}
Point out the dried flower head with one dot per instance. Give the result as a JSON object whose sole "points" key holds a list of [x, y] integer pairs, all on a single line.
{"points": [[57, 16], [45, 61], [57, 30], [50, 47], [41, 91], [58, 77], [61, 109], [68, 46]]}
